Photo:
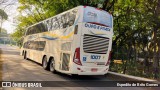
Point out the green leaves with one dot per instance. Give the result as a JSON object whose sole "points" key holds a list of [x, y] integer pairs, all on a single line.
{"points": [[3, 14]]}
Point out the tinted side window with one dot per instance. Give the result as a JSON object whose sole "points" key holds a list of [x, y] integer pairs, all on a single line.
{"points": [[57, 25], [41, 45], [48, 24], [35, 45], [72, 16], [59, 22], [64, 20], [41, 27]]}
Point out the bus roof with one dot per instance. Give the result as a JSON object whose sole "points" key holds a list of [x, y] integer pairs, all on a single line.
{"points": [[65, 12]]}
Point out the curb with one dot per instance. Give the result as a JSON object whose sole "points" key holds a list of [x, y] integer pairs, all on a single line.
{"points": [[131, 78]]}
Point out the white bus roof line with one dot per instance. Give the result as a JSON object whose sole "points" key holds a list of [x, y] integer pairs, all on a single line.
{"points": [[61, 14], [53, 16]]}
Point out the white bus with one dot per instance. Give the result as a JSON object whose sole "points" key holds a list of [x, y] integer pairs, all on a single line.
{"points": [[77, 41]]}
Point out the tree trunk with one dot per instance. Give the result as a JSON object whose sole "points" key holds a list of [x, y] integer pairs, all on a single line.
{"points": [[155, 63], [158, 56], [128, 55]]}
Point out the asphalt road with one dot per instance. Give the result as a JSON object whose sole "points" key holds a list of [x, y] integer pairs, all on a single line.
{"points": [[14, 68]]}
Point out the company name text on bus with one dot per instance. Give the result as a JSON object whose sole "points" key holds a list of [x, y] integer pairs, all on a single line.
{"points": [[97, 27]]}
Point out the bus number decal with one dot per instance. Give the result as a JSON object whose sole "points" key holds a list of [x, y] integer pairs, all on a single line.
{"points": [[95, 57]]}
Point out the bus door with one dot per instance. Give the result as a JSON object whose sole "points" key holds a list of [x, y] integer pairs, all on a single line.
{"points": [[65, 56]]}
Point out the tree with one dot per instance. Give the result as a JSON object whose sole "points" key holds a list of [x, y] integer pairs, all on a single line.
{"points": [[3, 16], [155, 18]]}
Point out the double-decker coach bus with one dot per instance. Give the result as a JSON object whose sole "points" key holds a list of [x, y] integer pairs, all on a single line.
{"points": [[77, 41]]}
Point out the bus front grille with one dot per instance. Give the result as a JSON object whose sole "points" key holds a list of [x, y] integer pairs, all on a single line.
{"points": [[95, 44]]}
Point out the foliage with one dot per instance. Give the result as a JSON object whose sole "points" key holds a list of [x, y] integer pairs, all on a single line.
{"points": [[134, 26], [3, 33], [3, 14]]}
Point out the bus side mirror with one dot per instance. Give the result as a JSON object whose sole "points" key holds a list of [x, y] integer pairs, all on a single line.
{"points": [[76, 29]]}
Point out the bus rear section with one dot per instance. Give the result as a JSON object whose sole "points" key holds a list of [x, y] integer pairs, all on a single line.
{"points": [[92, 53]]}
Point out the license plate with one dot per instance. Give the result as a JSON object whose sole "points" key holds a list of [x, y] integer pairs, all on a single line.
{"points": [[94, 69]]}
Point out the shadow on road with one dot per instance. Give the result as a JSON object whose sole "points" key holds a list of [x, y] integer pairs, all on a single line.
{"points": [[10, 52], [80, 78], [31, 71], [73, 77]]}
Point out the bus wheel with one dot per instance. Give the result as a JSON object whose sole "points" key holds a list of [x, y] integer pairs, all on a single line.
{"points": [[44, 63], [25, 55], [52, 66]]}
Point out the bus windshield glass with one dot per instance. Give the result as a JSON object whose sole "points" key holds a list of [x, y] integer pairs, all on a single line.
{"points": [[94, 15]]}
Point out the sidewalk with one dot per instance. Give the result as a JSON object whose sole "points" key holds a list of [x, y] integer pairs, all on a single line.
{"points": [[125, 77]]}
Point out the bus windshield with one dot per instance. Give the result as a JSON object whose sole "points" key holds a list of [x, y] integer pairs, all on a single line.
{"points": [[94, 15]]}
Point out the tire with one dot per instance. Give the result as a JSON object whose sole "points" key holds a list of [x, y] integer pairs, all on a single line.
{"points": [[25, 55], [52, 66], [44, 63]]}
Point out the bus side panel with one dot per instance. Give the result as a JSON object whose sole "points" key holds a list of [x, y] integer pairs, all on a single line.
{"points": [[75, 44]]}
